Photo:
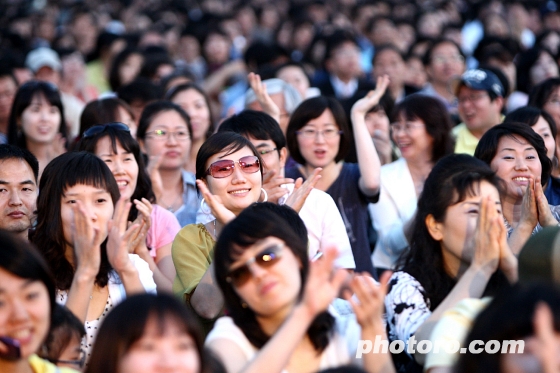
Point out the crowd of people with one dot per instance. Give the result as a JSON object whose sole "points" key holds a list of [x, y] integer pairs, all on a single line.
{"points": [[249, 186]]}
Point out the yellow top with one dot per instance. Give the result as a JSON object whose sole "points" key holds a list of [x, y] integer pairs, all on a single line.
{"points": [[43, 366], [192, 253], [465, 141]]}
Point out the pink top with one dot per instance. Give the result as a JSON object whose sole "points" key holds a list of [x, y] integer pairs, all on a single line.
{"points": [[163, 230]]}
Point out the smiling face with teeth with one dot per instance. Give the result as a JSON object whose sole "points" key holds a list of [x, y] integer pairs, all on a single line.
{"points": [[516, 161], [238, 190], [122, 164], [24, 311]]}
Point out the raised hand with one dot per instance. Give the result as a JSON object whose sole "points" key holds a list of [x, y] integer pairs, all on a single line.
{"points": [[263, 98], [86, 240], [120, 237], [363, 105], [302, 190], [323, 282], [153, 170], [546, 219], [508, 261], [272, 183], [137, 243], [488, 237], [529, 209], [545, 344], [216, 205], [369, 306]]}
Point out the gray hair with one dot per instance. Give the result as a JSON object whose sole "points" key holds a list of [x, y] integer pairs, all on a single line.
{"points": [[292, 97]]}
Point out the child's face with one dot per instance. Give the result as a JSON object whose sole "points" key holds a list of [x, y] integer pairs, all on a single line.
{"points": [[72, 356]]}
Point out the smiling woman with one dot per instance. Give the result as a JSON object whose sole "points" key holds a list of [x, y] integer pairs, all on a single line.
{"points": [[229, 176], [37, 121], [27, 301], [517, 154], [114, 144]]}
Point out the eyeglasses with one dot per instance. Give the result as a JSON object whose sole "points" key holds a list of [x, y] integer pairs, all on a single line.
{"points": [[471, 98], [407, 127], [95, 130], [267, 151], [265, 259], [309, 133], [223, 168], [161, 135]]}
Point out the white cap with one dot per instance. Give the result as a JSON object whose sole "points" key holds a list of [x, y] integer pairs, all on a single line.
{"points": [[43, 56]]}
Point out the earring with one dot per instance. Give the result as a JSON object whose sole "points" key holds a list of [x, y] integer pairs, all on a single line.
{"points": [[265, 195], [206, 211], [244, 305]]}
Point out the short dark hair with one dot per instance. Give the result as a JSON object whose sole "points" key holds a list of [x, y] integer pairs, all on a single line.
{"points": [[488, 144], [241, 233], [61, 173], [13, 152], [336, 39], [127, 323], [25, 94], [229, 142], [524, 62], [541, 93], [256, 124], [387, 47], [130, 145], [141, 89], [436, 119], [153, 109], [313, 108]]}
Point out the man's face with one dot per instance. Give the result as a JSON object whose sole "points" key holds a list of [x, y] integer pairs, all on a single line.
{"points": [[274, 159], [477, 111], [8, 90], [18, 196], [345, 61]]}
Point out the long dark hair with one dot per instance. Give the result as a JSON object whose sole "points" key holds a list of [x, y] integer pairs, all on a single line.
{"points": [[22, 100], [541, 93], [127, 322], [313, 108], [436, 119], [235, 238], [125, 139], [452, 179], [60, 174]]}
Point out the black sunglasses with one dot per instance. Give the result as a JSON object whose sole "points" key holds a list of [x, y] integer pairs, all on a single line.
{"points": [[266, 258], [95, 130]]}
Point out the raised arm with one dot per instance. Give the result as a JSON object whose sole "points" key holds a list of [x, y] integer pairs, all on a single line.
{"points": [[368, 160]]}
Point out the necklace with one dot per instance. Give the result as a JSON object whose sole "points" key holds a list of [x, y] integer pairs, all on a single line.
{"points": [[171, 207]]}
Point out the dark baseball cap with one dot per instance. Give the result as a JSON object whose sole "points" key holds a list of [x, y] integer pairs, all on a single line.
{"points": [[479, 79]]}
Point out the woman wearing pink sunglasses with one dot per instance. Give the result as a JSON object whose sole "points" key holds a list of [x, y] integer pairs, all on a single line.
{"points": [[229, 177]]}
